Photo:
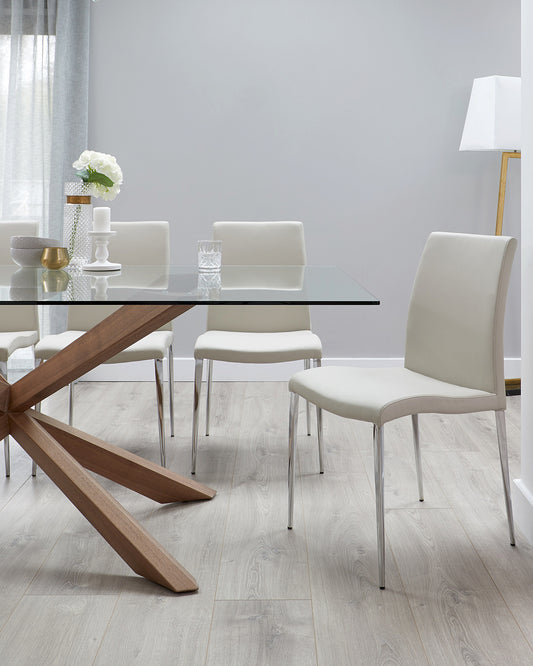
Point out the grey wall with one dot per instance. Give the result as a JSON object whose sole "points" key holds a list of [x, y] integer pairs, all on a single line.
{"points": [[346, 115]]}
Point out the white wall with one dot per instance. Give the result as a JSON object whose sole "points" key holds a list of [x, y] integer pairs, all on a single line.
{"points": [[344, 114]]}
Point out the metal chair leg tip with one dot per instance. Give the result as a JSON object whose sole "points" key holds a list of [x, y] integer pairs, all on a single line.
{"points": [[513, 544], [382, 587], [421, 499], [289, 527]]}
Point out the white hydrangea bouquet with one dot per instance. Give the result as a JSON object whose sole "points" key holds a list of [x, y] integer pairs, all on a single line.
{"points": [[100, 176], [102, 170]]}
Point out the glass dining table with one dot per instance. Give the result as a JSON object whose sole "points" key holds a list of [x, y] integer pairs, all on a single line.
{"points": [[146, 297]]}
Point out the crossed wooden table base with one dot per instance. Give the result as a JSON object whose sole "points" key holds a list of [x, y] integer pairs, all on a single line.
{"points": [[65, 453]]}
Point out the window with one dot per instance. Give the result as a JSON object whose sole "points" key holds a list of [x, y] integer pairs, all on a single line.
{"points": [[26, 84]]}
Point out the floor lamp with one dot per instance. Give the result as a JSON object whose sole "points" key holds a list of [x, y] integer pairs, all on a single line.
{"points": [[493, 122]]}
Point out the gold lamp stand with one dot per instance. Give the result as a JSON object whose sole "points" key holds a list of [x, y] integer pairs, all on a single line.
{"points": [[512, 386]]}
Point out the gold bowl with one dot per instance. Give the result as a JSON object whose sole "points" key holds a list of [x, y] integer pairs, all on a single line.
{"points": [[54, 257]]}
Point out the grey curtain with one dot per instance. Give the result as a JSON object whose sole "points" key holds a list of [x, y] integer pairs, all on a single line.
{"points": [[44, 55], [71, 95]]}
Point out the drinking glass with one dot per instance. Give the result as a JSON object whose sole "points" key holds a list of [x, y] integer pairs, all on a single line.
{"points": [[209, 256]]}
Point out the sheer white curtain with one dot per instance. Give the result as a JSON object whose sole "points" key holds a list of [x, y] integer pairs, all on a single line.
{"points": [[44, 81], [44, 48]]}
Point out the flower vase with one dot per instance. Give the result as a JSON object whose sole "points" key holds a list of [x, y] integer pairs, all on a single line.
{"points": [[78, 222]]}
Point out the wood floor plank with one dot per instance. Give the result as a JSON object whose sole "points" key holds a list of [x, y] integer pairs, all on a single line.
{"points": [[163, 629], [355, 621], [401, 488], [9, 486], [261, 557], [169, 629], [343, 443], [55, 630], [227, 407], [376, 630], [81, 562], [262, 632], [460, 613], [160, 630], [458, 432], [30, 524], [475, 491]]}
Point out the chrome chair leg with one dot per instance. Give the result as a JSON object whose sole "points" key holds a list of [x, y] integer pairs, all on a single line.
{"points": [[158, 365], [36, 362], [320, 439], [418, 459], [380, 507], [208, 396], [171, 388], [307, 365], [319, 428], [71, 403], [7, 456], [7, 452], [293, 428], [198, 370], [504, 464]]}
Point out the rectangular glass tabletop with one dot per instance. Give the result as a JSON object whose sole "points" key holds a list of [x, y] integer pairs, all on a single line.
{"points": [[235, 285], [151, 296]]}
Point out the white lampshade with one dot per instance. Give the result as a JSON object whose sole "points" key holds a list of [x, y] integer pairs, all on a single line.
{"points": [[493, 119]]}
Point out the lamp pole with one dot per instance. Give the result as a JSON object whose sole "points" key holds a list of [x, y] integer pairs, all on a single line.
{"points": [[503, 182]]}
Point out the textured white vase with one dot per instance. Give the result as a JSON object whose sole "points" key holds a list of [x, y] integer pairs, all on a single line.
{"points": [[78, 222]]}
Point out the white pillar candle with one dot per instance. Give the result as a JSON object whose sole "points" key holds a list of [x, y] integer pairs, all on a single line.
{"points": [[101, 218]]}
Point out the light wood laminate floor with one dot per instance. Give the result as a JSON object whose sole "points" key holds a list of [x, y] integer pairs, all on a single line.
{"points": [[457, 593]]}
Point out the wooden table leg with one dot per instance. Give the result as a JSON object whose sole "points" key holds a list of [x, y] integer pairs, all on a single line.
{"points": [[123, 467], [62, 452], [131, 541]]}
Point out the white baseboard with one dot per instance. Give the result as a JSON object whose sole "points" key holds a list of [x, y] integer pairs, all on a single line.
{"points": [[235, 372], [512, 368], [523, 508]]}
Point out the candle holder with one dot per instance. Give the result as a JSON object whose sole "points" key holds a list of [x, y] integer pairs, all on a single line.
{"points": [[101, 238]]}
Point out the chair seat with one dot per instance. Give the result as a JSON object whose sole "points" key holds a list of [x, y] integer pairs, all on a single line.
{"points": [[378, 395], [153, 345], [242, 347], [13, 340]]}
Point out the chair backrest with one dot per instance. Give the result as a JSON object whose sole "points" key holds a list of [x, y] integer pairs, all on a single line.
{"points": [[275, 243], [143, 243], [456, 314], [140, 243], [20, 317]]}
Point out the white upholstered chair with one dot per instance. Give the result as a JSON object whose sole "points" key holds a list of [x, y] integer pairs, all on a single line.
{"points": [[19, 323], [255, 333], [453, 358], [136, 244]]}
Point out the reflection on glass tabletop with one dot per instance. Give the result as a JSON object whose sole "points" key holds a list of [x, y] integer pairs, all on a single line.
{"points": [[246, 285]]}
